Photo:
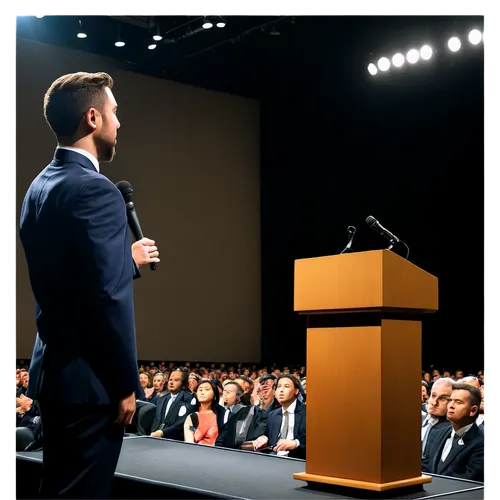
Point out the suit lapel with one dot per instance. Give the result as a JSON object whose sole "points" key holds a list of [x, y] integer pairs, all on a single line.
{"points": [[279, 421], [457, 449], [299, 415], [172, 412]]}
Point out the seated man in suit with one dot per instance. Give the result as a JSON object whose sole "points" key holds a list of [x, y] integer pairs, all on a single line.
{"points": [[459, 451], [172, 409], [287, 425], [248, 425], [437, 407]]}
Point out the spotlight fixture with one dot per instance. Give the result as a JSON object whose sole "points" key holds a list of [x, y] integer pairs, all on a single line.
{"points": [[119, 39], [475, 37], [398, 60], [157, 38], [383, 64], [152, 46], [412, 56], [221, 22], [426, 52], [207, 24], [372, 69], [39, 17], [81, 33], [454, 44]]}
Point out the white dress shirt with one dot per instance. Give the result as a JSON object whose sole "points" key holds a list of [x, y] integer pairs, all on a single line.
{"points": [[170, 402], [291, 424], [426, 428]]}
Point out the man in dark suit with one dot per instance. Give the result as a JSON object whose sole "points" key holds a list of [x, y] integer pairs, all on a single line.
{"points": [[248, 425], [172, 409], [287, 425], [74, 232], [459, 451]]}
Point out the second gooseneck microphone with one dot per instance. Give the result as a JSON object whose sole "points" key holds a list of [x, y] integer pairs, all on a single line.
{"points": [[133, 221]]}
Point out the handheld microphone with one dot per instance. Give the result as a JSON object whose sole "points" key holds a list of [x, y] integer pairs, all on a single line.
{"points": [[133, 221], [351, 230], [377, 227]]}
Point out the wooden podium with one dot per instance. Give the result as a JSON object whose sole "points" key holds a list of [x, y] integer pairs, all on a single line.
{"points": [[364, 367]]}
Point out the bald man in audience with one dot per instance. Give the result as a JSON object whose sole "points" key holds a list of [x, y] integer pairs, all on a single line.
{"points": [[437, 407]]}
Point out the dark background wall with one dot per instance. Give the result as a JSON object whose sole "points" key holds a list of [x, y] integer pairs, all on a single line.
{"points": [[406, 148], [192, 156], [336, 145]]}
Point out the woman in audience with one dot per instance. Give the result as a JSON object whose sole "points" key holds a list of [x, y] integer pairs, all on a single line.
{"points": [[159, 382], [204, 425], [146, 380]]}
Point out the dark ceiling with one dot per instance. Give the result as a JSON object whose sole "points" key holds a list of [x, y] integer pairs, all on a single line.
{"points": [[252, 55]]}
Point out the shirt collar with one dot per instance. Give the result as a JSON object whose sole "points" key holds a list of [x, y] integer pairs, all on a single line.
{"points": [[291, 408], [83, 152], [461, 431]]}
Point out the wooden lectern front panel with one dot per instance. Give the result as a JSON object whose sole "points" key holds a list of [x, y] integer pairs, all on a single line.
{"points": [[363, 401], [346, 281]]}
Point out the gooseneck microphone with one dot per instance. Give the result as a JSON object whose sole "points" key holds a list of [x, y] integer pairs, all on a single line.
{"points": [[377, 227], [351, 231], [133, 221]]}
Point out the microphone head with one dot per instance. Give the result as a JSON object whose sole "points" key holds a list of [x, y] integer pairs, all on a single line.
{"points": [[126, 190], [371, 221]]}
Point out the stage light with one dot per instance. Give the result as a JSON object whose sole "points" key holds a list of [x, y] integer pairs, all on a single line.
{"points": [[412, 56], [152, 46], [454, 44], [372, 69], [475, 37], [426, 52], [221, 22], [39, 17], [120, 44], [81, 32], [398, 60], [207, 24], [383, 64]]}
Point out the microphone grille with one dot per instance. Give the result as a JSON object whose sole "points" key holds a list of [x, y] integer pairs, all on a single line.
{"points": [[371, 221], [126, 190]]}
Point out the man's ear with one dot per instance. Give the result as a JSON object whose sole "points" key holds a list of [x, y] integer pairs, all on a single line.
{"points": [[91, 117]]}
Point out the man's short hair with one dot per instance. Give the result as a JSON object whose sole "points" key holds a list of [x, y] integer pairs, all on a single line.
{"points": [[295, 381], [239, 389], [474, 394], [70, 97]]}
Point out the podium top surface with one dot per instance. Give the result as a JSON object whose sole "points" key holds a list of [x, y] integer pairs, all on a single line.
{"points": [[376, 279]]}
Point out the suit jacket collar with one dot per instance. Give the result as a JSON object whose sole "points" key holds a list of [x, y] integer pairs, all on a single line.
{"points": [[467, 438], [68, 156]]}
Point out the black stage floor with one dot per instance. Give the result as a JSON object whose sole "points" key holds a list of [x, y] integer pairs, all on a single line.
{"points": [[161, 468]]}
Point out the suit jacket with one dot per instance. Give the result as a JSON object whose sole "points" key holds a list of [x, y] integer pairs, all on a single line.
{"points": [[256, 428], [74, 232], [274, 422], [172, 425], [442, 423], [465, 461]]}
